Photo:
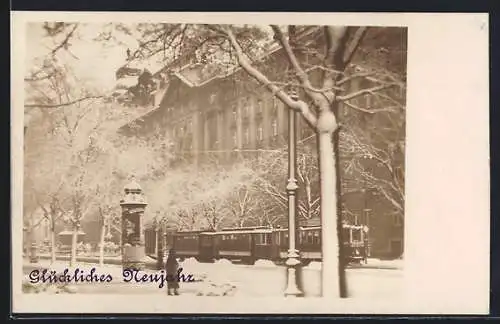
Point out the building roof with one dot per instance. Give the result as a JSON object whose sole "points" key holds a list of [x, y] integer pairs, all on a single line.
{"points": [[190, 74], [67, 232], [199, 82]]}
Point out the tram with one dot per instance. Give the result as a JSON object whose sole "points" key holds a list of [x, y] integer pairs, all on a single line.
{"points": [[249, 244]]}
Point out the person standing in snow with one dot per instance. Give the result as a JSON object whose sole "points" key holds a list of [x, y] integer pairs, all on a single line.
{"points": [[172, 267]]}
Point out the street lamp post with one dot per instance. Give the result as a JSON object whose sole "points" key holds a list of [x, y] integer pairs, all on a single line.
{"points": [[366, 220], [293, 258], [293, 261], [367, 230]]}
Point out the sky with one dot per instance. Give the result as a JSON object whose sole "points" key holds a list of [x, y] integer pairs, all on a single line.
{"points": [[93, 61]]}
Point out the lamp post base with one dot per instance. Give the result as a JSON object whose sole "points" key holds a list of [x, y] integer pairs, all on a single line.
{"points": [[292, 263], [134, 257]]}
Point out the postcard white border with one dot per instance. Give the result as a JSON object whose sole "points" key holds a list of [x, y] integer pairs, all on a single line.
{"points": [[447, 170]]}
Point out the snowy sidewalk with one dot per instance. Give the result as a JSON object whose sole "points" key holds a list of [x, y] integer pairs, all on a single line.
{"points": [[396, 264], [222, 278], [265, 279]]}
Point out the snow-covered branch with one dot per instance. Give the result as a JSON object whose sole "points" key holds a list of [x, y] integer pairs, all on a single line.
{"points": [[298, 105], [371, 91]]}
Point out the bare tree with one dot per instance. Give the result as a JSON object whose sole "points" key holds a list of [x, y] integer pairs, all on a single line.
{"points": [[45, 175], [319, 108], [48, 66], [243, 204], [321, 71]]}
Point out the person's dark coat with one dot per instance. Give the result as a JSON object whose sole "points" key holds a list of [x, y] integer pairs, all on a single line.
{"points": [[171, 267]]}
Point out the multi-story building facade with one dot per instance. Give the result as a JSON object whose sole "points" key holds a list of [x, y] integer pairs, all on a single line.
{"points": [[224, 116], [221, 116]]}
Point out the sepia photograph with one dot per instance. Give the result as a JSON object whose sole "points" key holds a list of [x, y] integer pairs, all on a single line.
{"points": [[180, 160]]}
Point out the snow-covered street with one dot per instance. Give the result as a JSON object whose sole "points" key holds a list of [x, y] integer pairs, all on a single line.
{"points": [[223, 278]]}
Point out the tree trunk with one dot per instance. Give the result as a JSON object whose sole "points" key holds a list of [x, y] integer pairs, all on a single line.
{"points": [[330, 246], [28, 240], [74, 242], [53, 246], [342, 257], [309, 202], [120, 241], [157, 231], [101, 247]]}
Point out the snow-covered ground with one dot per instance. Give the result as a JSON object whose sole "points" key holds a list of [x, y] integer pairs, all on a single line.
{"points": [[223, 278]]}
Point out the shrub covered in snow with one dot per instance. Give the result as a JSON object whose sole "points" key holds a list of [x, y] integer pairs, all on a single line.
{"points": [[223, 262], [189, 262], [50, 288], [314, 265], [212, 288], [265, 263]]}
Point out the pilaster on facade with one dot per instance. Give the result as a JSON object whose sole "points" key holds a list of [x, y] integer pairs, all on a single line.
{"points": [[197, 136], [239, 126], [220, 128], [251, 103], [206, 131], [267, 114]]}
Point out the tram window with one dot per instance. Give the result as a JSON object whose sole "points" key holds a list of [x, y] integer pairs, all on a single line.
{"points": [[310, 237], [316, 238], [205, 241], [356, 235], [345, 234]]}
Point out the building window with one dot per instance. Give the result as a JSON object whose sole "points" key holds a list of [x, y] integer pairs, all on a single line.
{"points": [[274, 126], [212, 98], [275, 106], [235, 114], [235, 140], [220, 117], [303, 131], [246, 135], [246, 110], [366, 100], [189, 143], [260, 107], [396, 219], [260, 133], [396, 248]]}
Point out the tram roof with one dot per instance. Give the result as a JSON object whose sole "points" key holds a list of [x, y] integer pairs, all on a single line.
{"points": [[228, 232]]}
